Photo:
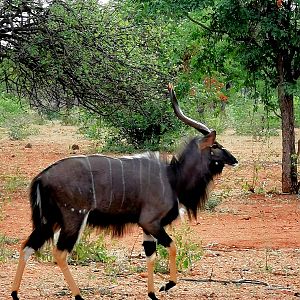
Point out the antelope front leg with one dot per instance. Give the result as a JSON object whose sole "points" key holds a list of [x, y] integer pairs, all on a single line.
{"points": [[150, 251], [173, 268]]}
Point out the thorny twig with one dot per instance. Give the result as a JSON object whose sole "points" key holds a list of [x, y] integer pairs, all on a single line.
{"points": [[243, 281]]}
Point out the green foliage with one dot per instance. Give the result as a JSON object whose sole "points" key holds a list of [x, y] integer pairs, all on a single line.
{"points": [[251, 117], [92, 55], [10, 108], [13, 183], [212, 203], [16, 116], [188, 252], [136, 132], [90, 250]]}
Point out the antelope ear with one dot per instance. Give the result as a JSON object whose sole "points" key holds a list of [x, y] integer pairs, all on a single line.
{"points": [[208, 140]]}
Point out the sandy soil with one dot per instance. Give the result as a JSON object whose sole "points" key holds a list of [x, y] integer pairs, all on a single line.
{"points": [[251, 241]]}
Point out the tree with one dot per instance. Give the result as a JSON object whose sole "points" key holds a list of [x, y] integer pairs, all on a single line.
{"points": [[267, 34], [64, 53], [264, 36]]}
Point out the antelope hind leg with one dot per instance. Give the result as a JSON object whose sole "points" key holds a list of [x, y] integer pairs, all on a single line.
{"points": [[25, 253]]}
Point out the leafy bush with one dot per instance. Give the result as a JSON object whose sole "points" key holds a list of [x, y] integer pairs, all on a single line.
{"points": [[131, 132], [12, 183], [188, 252], [90, 250], [87, 250], [251, 117], [16, 116], [212, 203]]}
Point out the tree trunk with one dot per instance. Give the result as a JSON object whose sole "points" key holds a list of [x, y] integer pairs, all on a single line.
{"points": [[289, 156]]}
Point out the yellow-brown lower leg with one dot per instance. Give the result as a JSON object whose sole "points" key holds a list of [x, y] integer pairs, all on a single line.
{"points": [[20, 269], [172, 259], [150, 271], [61, 260], [173, 269]]}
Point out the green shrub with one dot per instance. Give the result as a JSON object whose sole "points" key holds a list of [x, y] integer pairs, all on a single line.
{"points": [[212, 202], [90, 250], [87, 250], [16, 116], [188, 252], [12, 183], [251, 117]]}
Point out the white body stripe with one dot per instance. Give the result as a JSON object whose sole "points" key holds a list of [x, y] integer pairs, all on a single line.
{"points": [[123, 181], [161, 180], [111, 182], [93, 183]]}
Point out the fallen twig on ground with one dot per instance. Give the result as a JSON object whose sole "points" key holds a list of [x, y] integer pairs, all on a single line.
{"points": [[244, 281]]}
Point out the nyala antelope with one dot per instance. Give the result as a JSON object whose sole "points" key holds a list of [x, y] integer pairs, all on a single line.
{"points": [[108, 192]]}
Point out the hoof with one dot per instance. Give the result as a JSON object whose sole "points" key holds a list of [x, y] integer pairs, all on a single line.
{"points": [[14, 295], [78, 297], [168, 286], [152, 296]]}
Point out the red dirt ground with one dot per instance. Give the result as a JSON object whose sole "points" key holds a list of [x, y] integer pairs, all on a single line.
{"points": [[253, 237]]}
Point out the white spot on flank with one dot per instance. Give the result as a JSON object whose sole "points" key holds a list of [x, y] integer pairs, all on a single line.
{"points": [[27, 252]]}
